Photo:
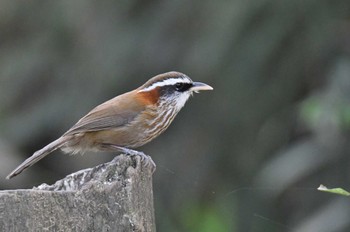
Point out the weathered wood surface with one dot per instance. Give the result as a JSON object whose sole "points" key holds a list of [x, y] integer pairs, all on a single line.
{"points": [[115, 196]]}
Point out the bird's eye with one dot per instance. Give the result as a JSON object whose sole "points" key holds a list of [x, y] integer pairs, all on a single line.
{"points": [[182, 86], [179, 86]]}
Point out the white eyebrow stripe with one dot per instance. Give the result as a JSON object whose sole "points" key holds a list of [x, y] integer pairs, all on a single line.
{"points": [[170, 81]]}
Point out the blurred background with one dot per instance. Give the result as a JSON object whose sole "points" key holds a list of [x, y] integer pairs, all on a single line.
{"points": [[247, 156]]}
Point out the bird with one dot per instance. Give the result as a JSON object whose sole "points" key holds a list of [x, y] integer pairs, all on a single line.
{"points": [[126, 121]]}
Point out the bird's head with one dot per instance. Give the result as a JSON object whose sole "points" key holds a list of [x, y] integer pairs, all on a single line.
{"points": [[172, 88]]}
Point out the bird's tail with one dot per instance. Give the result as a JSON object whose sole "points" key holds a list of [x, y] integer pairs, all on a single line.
{"points": [[38, 155]]}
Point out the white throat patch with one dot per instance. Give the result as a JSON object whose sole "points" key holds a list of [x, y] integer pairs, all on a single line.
{"points": [[182, 99]]}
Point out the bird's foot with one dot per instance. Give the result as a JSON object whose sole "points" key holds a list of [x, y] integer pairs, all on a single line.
{"points": [[144, 158]]}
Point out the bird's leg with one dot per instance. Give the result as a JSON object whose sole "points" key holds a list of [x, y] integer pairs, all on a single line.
{"points": [[144, 158]]}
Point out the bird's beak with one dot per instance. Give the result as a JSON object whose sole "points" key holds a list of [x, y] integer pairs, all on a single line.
{"points": [[197, 86]]}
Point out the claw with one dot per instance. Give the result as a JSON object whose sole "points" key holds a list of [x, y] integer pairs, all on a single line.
{"points": [[146, 159]]}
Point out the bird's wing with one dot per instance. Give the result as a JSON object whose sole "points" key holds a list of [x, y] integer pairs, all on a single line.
{"points": [[107, 116], [89, 124]]}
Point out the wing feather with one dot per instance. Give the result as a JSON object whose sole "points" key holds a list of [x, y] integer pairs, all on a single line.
{"points": [[109, 115]]}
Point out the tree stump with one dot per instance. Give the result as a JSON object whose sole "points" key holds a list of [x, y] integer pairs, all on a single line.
{"points": [[115, 196]]}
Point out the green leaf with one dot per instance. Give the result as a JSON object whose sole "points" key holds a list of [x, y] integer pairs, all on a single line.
{"points": [[339, 191], [205, 218]]}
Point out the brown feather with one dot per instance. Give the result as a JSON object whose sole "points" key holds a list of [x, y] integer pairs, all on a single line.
{"points": [[114, 113], [148, 97]]}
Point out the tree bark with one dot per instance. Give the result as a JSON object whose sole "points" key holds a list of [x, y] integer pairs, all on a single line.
{"points": [[115, 196]]}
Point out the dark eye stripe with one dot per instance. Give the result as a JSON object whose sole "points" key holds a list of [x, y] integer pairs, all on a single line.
{"points": [[182, 87]]}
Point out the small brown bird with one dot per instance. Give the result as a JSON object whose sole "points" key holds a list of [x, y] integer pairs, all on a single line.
{"points": [[127, 121]]}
